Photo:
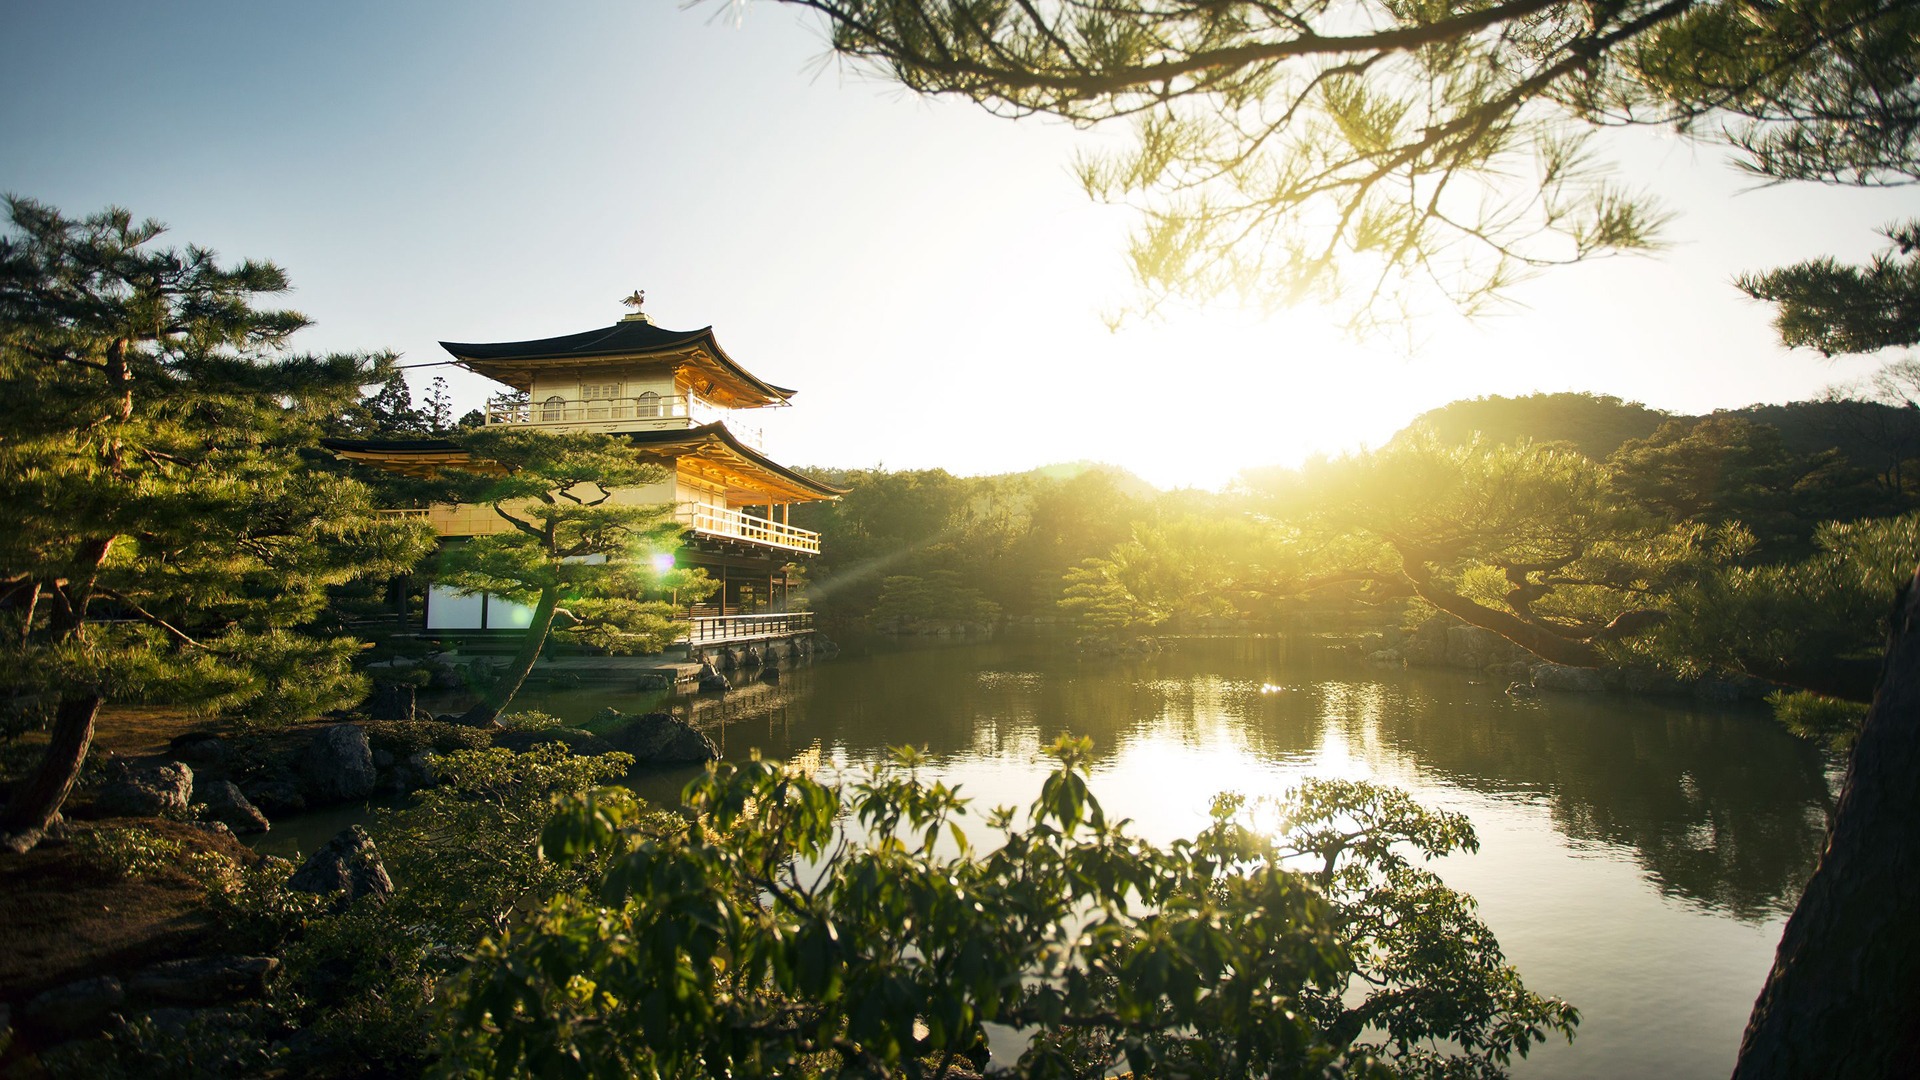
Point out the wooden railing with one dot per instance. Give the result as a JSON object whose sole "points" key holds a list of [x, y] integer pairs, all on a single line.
{"points": [[735, 525], [479, 519], [646, 412], [712, 629]]}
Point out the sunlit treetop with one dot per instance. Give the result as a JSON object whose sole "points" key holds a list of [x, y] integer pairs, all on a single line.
{"points": [[1370, 151]]}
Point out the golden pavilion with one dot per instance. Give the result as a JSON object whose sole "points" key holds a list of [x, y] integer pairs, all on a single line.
{"points": [[676, 394]]}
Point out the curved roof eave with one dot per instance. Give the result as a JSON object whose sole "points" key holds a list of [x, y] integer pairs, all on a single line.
{"points": [[620, 339], [718, 430]]}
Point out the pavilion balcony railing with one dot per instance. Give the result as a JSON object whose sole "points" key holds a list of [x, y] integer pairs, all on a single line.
{"points": [[713, 629], [734, 525], [646, 412]]}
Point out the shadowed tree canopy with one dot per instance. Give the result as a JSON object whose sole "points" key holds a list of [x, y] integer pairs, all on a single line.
{"points": [[1349, 148]]}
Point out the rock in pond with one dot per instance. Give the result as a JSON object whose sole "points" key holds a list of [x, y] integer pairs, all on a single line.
{"points": [[161, 791], [348, 866], [225, 803], [338, 766], [663, 739], [1576, 680]]}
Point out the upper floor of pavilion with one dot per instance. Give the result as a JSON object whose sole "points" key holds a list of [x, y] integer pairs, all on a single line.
{"points": [[632, 376]]}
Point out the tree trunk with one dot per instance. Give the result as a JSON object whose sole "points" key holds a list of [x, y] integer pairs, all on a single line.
{"points": [[495, 698], [39, 797], [1542, 643], [1843, 998]]}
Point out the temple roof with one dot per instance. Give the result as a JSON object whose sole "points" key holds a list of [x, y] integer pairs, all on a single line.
{"points": [[722, 459], [512, 362]]}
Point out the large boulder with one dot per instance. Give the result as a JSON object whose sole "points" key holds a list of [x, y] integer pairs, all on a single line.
{"points": [[338, 766], [348, 866], [275, 792], [78, 1008], [1427, 645], [160, 791], [202, 746], [225, 803], [1475, 649], [1577, 680], [202, 980], [391, 701], [663, 739]]}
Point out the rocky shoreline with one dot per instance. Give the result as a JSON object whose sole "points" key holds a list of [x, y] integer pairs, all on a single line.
{"points": [[207, 789]]}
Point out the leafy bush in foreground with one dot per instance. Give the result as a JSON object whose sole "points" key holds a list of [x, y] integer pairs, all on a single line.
{"points": [[770, 937]]}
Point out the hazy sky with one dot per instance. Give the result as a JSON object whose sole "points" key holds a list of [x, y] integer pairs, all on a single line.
{"points": [[929, 277]]}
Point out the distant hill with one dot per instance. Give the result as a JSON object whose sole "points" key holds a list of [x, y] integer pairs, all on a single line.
{"points": [[1127, 483], [1124, 481], [1594, 424], [1873, 436]]}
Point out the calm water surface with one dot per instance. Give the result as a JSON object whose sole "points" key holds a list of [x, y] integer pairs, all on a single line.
{"points": [[1638, 856]]}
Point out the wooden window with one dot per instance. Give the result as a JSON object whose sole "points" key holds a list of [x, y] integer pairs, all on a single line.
{"points": [[553, 409], [599, 398], [648, 404]]}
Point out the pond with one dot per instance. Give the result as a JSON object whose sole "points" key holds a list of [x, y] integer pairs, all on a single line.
{"points": [[1638, 855]]}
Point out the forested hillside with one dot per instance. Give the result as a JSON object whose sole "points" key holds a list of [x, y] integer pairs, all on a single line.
{"points": [[1875, 435]]}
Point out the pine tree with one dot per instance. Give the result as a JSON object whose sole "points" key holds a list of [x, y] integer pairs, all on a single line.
{"points": [[578, 553], [160, 536], [388, 412], [437, 411]]}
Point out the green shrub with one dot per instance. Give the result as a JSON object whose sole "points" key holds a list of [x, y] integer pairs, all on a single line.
{"points": [[128, 851], [253, 906], [771, 929], [529, 721], [405, 738]]}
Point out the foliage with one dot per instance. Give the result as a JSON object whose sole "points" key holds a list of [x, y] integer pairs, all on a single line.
{"points": [[405, 738], [1349, 149], [160, 535], [253, 907], [1846, 309], [210, 1042], [1823, 719], [769, 937], [362, 984], [529, 720], [938, 596], [1098, 600], [1527, 541], [1817, 624], [1725, 469], [1424, 968], [127, 851]]}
